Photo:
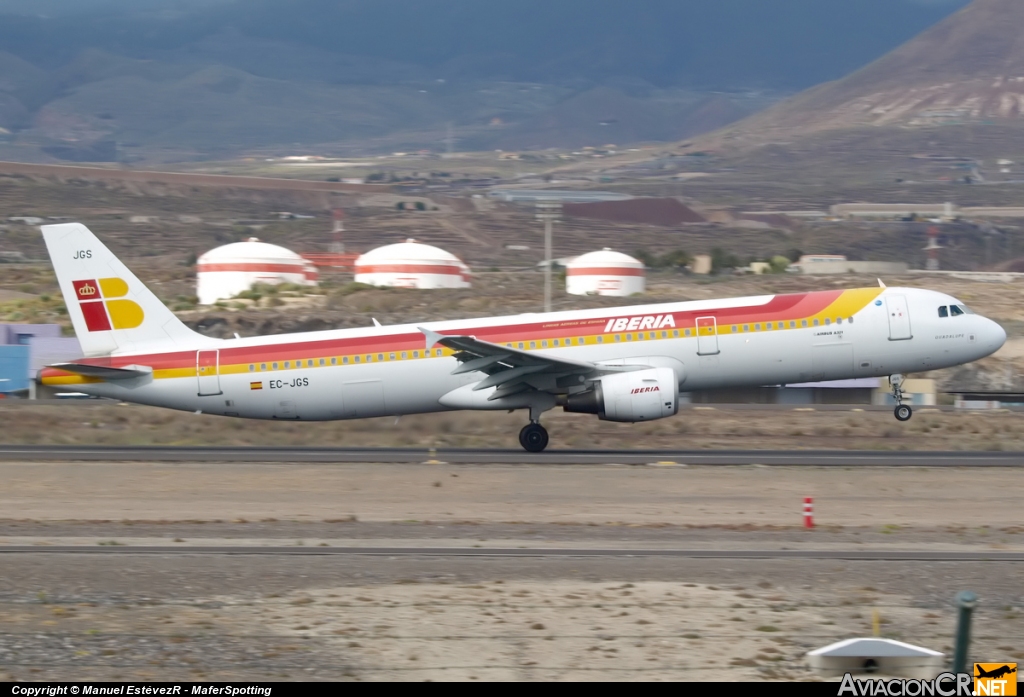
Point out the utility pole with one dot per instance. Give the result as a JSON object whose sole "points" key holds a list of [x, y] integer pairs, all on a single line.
{"points": [[549, 212]]}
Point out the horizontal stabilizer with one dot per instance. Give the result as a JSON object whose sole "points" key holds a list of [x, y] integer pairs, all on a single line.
{"points": [[103, 372]]}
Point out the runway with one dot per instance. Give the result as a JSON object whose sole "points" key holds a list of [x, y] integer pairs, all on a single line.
{"points": [[293, 551], [789, 458]]}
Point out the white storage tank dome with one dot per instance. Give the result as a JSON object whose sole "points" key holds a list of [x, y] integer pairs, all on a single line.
{"points": [[604, 273], [226, 271], [410, 264]]}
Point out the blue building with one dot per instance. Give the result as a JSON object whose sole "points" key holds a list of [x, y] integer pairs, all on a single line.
{"points": [[27, 348], [14, 368]]}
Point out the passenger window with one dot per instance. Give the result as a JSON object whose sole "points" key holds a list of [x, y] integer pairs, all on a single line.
{"points": [[533, 344], [520, 344], [555, 342], [391, 357], [629, 337], [263, 366], [757, 327], [343, 360], [746, 327], [850, 320], [839, 320], [380, 356], [735, 329], [357, 359], [792, 324], [618, 337], [687, 332], [664, 335], [827, 321], [544, 344], [323, 362], [803, 323], [275, 366], [252, 368], [286, 364], [334, 360], [415, 354], [600, 339], [816, 323], [944, 311], [405, 355], [955, 311]]}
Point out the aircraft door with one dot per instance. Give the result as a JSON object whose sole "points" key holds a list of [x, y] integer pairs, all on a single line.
{"points": [[207, 370], [707, 336], [899, 317]]}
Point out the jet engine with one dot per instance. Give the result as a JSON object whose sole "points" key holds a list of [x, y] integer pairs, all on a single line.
{"points": [[641, 395]]}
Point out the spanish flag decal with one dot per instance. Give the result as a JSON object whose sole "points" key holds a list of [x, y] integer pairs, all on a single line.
{"points": [[255, 385]]}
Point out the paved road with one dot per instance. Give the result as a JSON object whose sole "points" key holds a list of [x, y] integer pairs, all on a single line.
{"points": [[813, 458], [851, 555]]}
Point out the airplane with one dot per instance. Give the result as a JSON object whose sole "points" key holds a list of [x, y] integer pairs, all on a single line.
{"points": [[994, 673], [625, 364]]}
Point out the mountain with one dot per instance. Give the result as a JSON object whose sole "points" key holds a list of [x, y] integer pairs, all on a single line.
{"points": [[202, 78], [967, 70]]}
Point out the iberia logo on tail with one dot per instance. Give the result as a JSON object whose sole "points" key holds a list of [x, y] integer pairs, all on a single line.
{"points": [[104, 306]]}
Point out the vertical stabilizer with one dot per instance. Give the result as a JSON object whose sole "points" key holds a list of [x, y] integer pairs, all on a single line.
{"points": [[111, 310]]}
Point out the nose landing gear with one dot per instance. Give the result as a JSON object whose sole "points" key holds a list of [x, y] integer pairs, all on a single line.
{"points": [[902, 412], [533, 437]]}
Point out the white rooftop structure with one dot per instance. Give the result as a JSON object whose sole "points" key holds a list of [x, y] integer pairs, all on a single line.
{"points": [[410, 264], [560, 195], [605, 272], [226, 271]]}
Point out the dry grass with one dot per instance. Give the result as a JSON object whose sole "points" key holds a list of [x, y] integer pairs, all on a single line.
{"points": [[94, 423]]}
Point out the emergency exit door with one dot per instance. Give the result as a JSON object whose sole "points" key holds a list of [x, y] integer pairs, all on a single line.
{"points": [[207, 371], [899, 317], [707, 336]]}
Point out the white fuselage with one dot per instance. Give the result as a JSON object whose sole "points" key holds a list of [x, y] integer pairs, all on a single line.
{"points": [[397, 374]]}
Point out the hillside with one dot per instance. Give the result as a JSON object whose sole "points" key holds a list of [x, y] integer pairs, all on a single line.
{"points": [[966, 70], [131, 81]]}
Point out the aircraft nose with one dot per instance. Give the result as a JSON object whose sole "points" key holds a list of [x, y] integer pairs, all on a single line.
{"points": [[994, 335]]}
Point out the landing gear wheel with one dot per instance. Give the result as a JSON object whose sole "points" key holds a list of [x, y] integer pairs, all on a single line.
{"points": [[533, 438], [903, 412]]}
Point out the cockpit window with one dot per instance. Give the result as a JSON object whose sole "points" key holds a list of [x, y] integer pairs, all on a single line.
{"points": [[954, 310], [943, 311]]}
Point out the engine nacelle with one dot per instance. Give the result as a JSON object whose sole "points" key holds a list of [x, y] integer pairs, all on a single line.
{"points": [[641, 395]]}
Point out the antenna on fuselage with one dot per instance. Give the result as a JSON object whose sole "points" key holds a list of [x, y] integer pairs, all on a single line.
{"points": [[880, 284]]}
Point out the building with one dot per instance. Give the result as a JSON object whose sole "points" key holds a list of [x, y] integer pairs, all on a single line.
{"points": [[561, 195], [826, 264], [226, 271], [410, 264], [605, 273], [27, 348]]}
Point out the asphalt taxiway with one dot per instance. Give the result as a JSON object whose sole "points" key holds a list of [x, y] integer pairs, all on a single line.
{"points": [[809, 554], [479, 456]]}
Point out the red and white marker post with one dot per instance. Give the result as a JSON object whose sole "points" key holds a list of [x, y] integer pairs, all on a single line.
{"points": [[808, 512]]}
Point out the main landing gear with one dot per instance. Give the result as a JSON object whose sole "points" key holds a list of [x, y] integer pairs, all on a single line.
{"points": [[533, 437], [902, 412]]}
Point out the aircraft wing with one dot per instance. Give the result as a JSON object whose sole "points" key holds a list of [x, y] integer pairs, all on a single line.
{"points": [[512, 371]]}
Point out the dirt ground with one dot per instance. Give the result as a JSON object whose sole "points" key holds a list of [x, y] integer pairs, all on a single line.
{"points": [[91, 422], [180, 615]]}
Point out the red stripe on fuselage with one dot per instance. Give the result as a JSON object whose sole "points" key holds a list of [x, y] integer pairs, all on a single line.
{"points": [[780, 307]]}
